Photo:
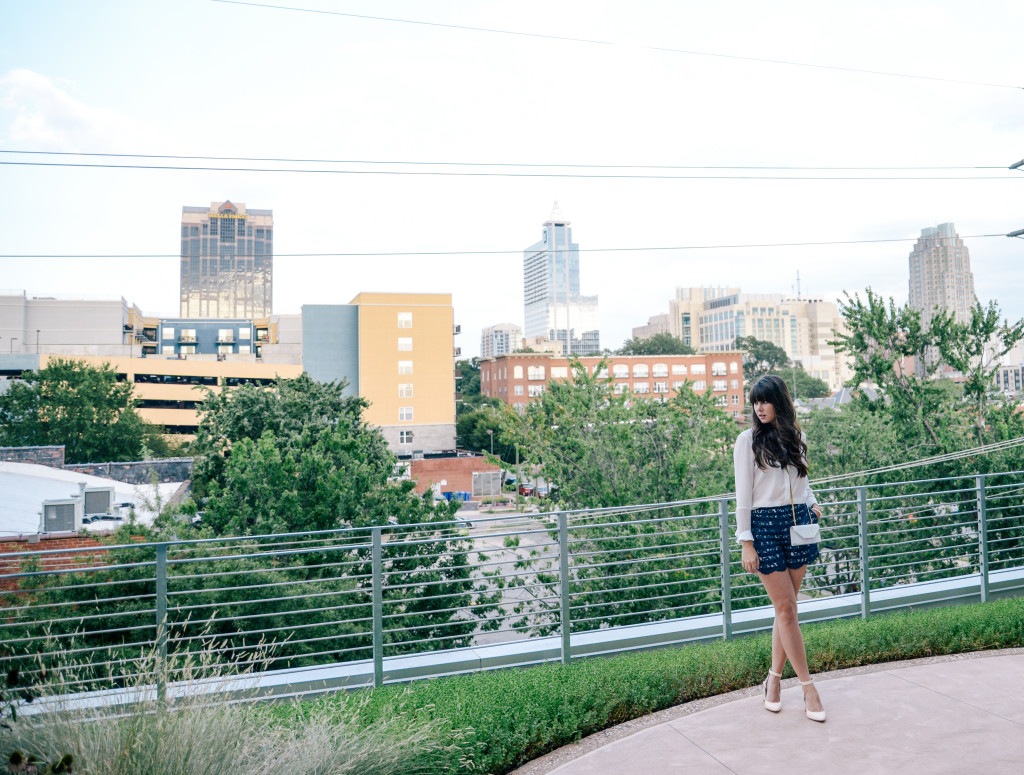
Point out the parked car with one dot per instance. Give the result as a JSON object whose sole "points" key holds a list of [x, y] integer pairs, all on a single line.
{"points": [[527, 489], [542, 490]]}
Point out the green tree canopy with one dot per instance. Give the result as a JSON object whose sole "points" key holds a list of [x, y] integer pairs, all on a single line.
{"points": [[762, 357], [660, 344], [606, 449], [297, 456], [83, 407]]}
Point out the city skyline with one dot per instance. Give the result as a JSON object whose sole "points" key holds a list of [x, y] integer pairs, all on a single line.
{"points": [[725, 150]]}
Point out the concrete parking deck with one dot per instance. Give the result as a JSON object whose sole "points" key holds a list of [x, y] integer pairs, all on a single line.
{"points": [[960, 715]]}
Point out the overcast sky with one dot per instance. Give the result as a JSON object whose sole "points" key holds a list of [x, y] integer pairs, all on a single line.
{"points": [[198, 77]]}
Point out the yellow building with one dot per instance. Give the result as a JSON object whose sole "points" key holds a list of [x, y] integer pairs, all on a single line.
{"points": [[168, 391], [406, 370]]}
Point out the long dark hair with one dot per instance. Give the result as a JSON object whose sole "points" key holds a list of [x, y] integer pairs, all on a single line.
{"points": [[777, 444]]}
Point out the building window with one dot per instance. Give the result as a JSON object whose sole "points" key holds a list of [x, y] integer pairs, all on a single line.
{"points": [[700, 385], [188, 349], [678, 385], [735, 399], [719, 385], [660, 387], [168, 333], [535, 390], [620, 388], [405, 414], [640, 370], [698, 368], [405, 367], [734, 384], [519, 390], [405, 344], [721, 401], [517, 372], [620, 370], [405, 437], [718, 369], [678, 369], [405, 320], [244, 349], [660, 370], [641, 387], [601, 373], [734, 367], [559, 372], [244, 333], [223, 349], [405, 390], [535, 372], [188, 335]]}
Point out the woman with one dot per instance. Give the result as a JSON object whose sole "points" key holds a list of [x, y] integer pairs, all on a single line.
{"points": [[772, 484]]}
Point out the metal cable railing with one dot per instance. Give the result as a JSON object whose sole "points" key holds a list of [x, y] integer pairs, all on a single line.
{"points": [[373, 593]]}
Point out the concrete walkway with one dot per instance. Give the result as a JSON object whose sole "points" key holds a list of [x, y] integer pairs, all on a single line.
{"points": [[961, 716]]}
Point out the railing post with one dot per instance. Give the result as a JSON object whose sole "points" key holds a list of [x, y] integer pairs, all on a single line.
{"points": [[983, 538], [563, 594], [865, 571], [377, 570], [723, 534], [161, 623]]}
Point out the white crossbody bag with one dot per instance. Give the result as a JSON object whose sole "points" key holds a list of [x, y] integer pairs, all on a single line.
{"points": [[802, 534]]}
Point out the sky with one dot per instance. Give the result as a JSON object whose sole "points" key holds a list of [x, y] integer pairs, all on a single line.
{"points": [[209, 78]]}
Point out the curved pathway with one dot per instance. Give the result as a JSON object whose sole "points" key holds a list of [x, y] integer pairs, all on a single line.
{"points": [[961, 715]]}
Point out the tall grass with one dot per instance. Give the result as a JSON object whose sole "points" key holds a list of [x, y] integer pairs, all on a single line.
{"points": [[191, 733]]}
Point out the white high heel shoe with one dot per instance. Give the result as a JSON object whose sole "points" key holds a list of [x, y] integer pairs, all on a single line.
{"points": [[813, 715], [774, 707]]}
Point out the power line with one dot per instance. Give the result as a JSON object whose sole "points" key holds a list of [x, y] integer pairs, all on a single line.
{"points": [[944, 458], [450, 173], [496, 164], [565, 38], [399, 253]]}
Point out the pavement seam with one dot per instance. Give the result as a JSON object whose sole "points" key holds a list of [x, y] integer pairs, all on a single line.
{"points": [[956, 699], [700, 747]]}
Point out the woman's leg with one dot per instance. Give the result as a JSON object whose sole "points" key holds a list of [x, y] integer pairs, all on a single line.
{"points": [[782, 588]]}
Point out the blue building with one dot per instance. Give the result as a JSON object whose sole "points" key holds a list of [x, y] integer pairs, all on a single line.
{"points": [[554, 308]]}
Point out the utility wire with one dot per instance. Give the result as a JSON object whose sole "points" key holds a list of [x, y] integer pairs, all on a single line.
{"points": [[983, 450], [565, 38], [495, 164], [450, 173], [491, 252]]}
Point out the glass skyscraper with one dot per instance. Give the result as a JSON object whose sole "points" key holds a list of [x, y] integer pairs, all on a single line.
{"points": [[227, 261], [554, 308], [940, 274]]}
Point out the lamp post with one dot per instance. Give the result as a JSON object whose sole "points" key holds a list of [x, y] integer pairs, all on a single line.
{"points": [[490, 432]]}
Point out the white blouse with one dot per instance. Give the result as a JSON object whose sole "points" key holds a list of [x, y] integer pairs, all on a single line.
{"points": [[756, 488]]}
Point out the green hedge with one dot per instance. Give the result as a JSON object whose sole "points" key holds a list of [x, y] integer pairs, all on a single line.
{"points": [[516, 715]]}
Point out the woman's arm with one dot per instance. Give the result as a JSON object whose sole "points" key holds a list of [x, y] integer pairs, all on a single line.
{"points": [[743, 465]]}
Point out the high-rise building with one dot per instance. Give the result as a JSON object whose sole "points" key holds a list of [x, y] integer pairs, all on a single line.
{"points": [[710, 319], [227, 261], [940, 274], [554, 308], [500, 339]]}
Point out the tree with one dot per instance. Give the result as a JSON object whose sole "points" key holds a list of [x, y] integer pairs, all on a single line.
{"points": [[469, 385], [83, 407], [975, 349], [604, 449], [472, 428], [887, 344], [660, 344], [762, 357]]}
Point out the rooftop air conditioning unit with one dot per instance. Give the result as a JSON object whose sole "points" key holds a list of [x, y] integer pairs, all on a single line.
{"points": [[99, 502], [63, 515]]}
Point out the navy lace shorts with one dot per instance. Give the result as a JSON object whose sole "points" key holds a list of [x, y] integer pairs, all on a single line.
{"points": [[770, 526]]}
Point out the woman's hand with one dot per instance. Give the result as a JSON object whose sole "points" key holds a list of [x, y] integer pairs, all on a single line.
{"points": [[817, 511], [751, 562]]}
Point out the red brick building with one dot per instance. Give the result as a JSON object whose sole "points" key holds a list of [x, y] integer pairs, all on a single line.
{"points": [[523, 377]]}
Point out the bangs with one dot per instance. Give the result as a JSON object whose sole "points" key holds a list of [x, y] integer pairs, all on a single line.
{"points": [[762, 392]]}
